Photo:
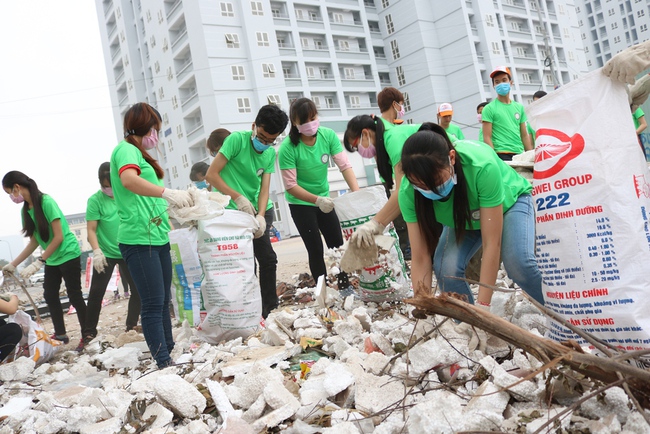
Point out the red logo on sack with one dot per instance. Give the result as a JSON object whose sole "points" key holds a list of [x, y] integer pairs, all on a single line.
{"points": [[553, 150]]}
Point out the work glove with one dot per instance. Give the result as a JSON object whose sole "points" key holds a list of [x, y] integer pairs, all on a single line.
{"points": [[178, 198], [31, 269], [325, 204], [639, 92], [364, 236], [99, 260], [8, 269], [245, 205], [261, 221], [627, 64]]}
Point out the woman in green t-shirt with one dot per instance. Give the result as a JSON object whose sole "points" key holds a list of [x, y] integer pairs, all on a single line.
{"points": [[45, 226], [479, 200], [304, 161], [142, 236]]}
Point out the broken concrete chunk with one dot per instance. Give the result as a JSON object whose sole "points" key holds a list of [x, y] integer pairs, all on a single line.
{"points": [[180, 396], [18, 370]]}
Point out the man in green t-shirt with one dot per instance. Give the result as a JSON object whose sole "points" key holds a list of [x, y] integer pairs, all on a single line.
{"points": [[504, 120], [242, 170], [445, 113]]}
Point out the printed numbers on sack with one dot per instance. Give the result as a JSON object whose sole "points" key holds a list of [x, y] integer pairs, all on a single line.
{"points": [[227, 246], [552, 201]]}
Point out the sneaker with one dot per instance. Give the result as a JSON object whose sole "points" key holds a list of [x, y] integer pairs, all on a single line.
{"points": [[83, 342], [61, 338]]}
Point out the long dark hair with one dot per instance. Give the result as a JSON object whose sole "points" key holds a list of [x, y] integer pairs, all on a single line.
{"points": [[302, 110], [353, 135], [15, 177], [138, 121], [424, 157]]}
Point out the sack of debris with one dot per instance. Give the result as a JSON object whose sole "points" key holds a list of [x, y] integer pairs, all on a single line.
{"points": [[592, 194], [41, 347], [387, 279], [187, 276], [230, 288]]}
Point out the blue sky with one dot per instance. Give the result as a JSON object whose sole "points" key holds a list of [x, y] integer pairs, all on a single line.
{"points": [[55, 112]]}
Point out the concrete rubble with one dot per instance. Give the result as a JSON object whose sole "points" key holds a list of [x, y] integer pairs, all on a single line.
{"points": [[353, 374]]}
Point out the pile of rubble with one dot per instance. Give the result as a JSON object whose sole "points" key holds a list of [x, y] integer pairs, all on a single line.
{"points": [[352, 367]]}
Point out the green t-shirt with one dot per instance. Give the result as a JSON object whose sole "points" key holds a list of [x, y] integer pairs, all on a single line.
{"points": [[102, 209], [69, 248], [480, 133], [505, 119], [636, 116], [310, 162], [394, 141], [243, 172], [490, 182], [143, 219], [531, 133], [456, 131]]}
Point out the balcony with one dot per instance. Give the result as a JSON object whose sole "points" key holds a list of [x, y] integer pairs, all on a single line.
{"points": [[281, 20], [525, 60], [184, 70], [358, 54], [292, 80], [173, 9], [321, 82], [312, 51], [115, 52], [347, 26], [111, 30], [330, 110], [367, 82], [189, 100], [195, 131], [108, 8], [522, 35], [311, 23], [354, 111], [515, 8], [180, 39], [119, 76]]}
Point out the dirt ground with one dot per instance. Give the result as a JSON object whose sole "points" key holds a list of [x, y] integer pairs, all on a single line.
{"points": [[292, 260]]}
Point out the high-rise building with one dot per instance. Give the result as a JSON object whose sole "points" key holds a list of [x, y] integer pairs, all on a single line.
{"points": [[607, 27], [210, 64]]}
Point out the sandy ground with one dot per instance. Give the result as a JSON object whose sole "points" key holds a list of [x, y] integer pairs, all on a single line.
{"points": [[292, 260]]}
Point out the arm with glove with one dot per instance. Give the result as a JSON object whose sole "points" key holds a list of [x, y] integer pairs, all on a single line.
{"points": [[289, 176], [10, 268], [213, 177], [99, 260], [133, 182], [262, 203], [627, 64], [56, 240]]}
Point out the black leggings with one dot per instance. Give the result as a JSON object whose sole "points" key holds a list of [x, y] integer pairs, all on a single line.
{"points": [[311, 223], [10, 335], [70, 272]]}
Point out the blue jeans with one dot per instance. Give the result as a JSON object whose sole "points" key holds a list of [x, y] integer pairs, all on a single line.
{"points": [[517, 252], [151, 271]]}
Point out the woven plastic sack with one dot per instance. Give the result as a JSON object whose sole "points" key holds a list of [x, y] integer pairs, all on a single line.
{"points": [[187, 276], [41, 347]]}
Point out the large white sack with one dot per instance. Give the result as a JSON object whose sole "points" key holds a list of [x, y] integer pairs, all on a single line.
{"points": [[592, 203], [187, 276], [387, 279], [230, 288]]}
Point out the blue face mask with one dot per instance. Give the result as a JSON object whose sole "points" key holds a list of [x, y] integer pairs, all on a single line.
{"points": [[258, 145], [503, 89], [444, 190], [201, 184]]}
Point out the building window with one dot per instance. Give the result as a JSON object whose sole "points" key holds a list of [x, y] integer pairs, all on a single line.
{"points": [[313, 16], [268, 69], [262, 39], [174, 172], [304, 42], [274, 100], [344, 45], [643, 27], [610, 12], [170, 73], [338, 18], [539, 30], [232, 40], [311, 72], [316, 100], [170, 145], [515, 26], [533, 6], [161, 93], [355, 102], [571, 56], [184, 160], [324, 73], [256, 8], [390, 28], [148, 15], [165, 46], [174, 102], [394, 49], [348, 73], [156, 67], [318, 44], [179, 131], [276, 212], [152, 41], [567, 33], [237, 72], [385, 3], [243, 105], [560, 9], [496, 48], [525, 77], [329, 102], [299, 14], [401, 80], [489, 20], [588, 62], [407, 102], [166, 119], [521, 52], [614, 26], [160, 17], [227, 10], [276, 13], [640, 13]]}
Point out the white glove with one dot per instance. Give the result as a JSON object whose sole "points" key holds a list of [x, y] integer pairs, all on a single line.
{"points": [[245, 205], [486, 308], [627, 64], [8, 269], [325, 204], [639, 92], [99, 260], [261, 221], [178, 198], [364, 236], [31, 269]]}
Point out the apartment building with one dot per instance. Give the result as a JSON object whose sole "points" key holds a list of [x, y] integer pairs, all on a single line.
{"points": [[78, 226], [210, 64], [609, 26]]}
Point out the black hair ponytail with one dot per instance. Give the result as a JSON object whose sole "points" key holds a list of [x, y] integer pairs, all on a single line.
{"points": [[15, 177]]}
